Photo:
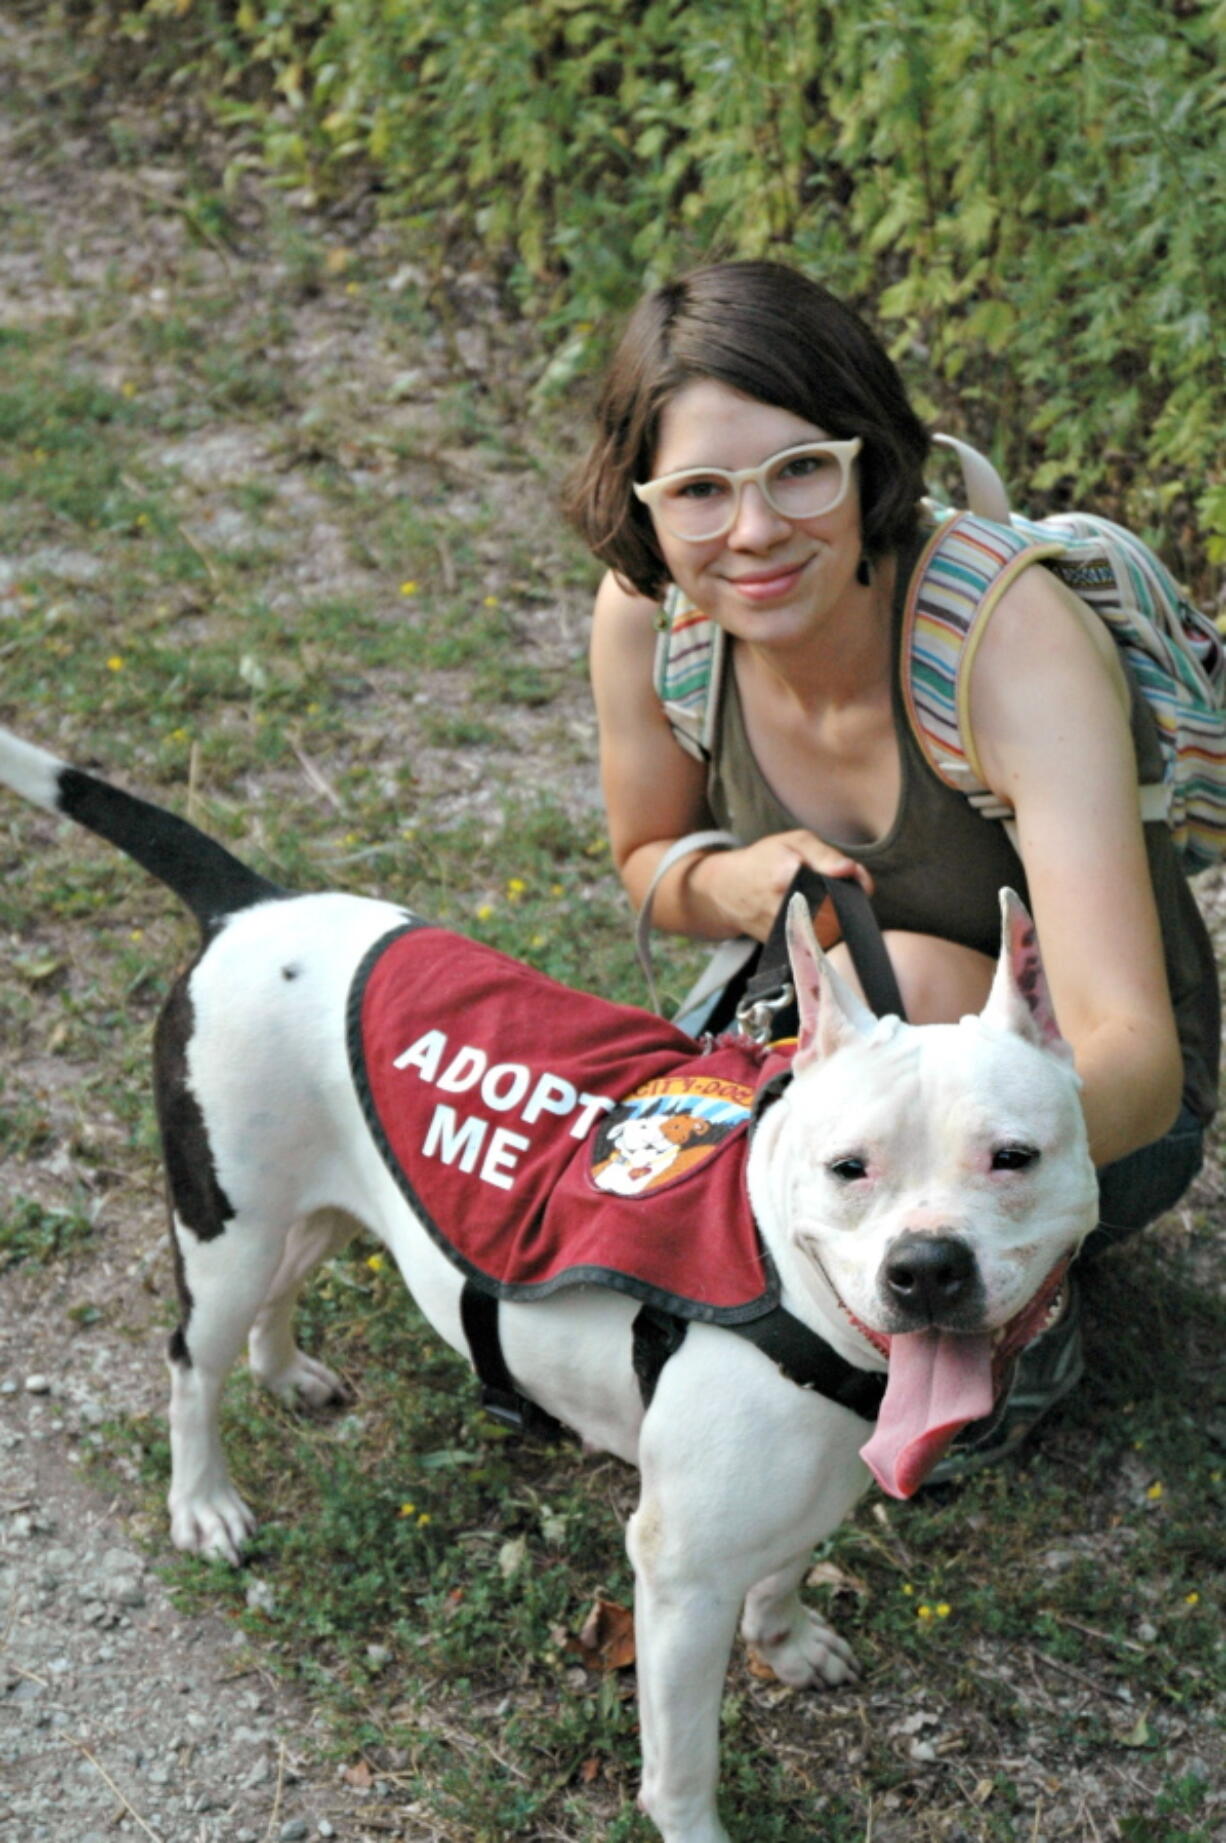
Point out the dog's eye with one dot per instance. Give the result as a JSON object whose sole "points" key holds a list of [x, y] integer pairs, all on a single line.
{"points": [[1014, 1157], [847, 1170]]}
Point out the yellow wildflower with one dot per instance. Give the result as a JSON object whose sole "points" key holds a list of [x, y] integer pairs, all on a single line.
{"points": [[114, 663], [375, 1263], [1154, 1492]]}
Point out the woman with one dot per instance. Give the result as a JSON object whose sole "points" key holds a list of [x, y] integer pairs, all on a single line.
{"points": [[800, 546]]}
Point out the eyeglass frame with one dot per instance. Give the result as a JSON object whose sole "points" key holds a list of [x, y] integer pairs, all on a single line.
{"points": [[647, 492]]}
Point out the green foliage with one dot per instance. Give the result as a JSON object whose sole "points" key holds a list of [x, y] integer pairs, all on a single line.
{"points": [[1026, 198], [31, 1231]]}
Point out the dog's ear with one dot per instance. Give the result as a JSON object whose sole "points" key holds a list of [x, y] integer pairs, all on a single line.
{"points": [[831, 1015], [1019, 999]]}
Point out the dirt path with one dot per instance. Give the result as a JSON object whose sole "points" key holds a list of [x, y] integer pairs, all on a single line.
{"points": [[118, 1716]]}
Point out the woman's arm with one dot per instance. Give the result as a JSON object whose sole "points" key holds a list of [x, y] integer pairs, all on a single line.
{"points": [[655, 793], [1050, 717]]}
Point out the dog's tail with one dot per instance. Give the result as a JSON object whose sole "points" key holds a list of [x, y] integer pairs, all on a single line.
{"points": [[202, 873]]}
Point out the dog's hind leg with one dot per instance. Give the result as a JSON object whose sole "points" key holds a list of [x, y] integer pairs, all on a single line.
{"points": [[223, 1281], [799, 1647], [272, 1352]]}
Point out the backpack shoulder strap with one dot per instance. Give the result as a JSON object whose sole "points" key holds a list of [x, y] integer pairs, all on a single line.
{"points": [[688, 670], [964, 569]]}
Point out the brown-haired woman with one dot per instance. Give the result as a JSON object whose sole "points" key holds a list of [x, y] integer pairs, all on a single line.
{"points": [[756, 449]]}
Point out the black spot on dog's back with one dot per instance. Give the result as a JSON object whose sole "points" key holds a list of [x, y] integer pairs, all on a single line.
{"points": [[191, 1174]]}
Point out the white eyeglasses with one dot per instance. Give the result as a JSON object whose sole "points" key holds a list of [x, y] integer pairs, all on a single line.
{"points": [[698, 503]]}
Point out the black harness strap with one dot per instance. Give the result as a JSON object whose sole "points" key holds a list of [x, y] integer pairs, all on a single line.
{"points": [[657, 1336], [811, 1363], [499, 1395], [804, 1358]]}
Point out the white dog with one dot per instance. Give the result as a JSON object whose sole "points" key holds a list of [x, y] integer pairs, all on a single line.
{"points": [[918, 1194]]}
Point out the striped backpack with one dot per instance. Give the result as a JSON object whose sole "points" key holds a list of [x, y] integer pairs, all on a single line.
{"points": [[1173, 651]]}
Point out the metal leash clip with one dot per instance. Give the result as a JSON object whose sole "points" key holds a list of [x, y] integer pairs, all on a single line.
{"points": [[755, 1017]]}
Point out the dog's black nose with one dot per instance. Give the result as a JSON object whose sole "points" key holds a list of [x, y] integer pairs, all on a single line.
{"points": [[929, 1275]]}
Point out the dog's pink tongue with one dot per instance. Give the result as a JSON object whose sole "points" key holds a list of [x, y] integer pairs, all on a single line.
{"points": [[937, 1383]]}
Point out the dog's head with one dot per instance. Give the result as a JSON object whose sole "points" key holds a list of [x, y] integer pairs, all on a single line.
{"points": [[933, 1183]]}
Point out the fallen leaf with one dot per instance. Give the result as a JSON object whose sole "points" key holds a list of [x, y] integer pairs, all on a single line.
{"points": [[511, 1557], [758, 1666], [359, 1775], [607, 1639], [39, 971], [1138, 1735], [590, 1770]]}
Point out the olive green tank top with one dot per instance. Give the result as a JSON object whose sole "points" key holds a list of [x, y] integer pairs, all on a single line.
{"points": [[940, 866]]}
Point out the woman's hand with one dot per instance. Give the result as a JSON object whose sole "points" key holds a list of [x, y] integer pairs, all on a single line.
{"points": [[746, 886]]}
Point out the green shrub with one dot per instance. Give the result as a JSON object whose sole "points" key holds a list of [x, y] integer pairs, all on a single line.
{"points": [[1024, 197]]}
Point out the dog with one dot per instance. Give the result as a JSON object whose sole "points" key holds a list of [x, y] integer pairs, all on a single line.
{"points": [[916, 1197]]}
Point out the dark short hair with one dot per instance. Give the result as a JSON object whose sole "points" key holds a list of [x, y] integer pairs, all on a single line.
{"points": [[778, 337]]}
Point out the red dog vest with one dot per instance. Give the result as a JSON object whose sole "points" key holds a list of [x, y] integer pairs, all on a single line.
{"points": [[551, 1139]]}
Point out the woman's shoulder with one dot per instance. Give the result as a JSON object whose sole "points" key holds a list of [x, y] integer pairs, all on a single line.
{"points": [[618, 602], [1041, 630], [623, 623]]}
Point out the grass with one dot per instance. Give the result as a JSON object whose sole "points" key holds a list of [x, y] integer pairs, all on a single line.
{"points": [[352, 647], [413, 1548]]}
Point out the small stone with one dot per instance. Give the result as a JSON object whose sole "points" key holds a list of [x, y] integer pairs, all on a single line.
{"points": [[325, 1829], [260, 1597], [294, 1831], [38, 1385]]}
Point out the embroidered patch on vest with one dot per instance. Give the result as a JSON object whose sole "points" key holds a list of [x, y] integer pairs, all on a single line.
{"points": [[665, 1130]]}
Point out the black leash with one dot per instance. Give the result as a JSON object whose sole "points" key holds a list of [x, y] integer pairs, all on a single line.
{"points": [[768, 1008]]}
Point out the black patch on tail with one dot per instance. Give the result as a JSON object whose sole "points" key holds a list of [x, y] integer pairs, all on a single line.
{"points": [[203, 874], [191, 1174]]}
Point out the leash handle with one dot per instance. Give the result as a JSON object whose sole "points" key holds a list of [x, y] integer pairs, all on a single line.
{"points": [[770, 988], [693, 842]]}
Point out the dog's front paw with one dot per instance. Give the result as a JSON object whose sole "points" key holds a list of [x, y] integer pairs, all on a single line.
{"points": [[217, 1524], [805, 1653], [303, 1382]]}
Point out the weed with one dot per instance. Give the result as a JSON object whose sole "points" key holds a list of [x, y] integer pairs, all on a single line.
{"points": [[34, 1231]]}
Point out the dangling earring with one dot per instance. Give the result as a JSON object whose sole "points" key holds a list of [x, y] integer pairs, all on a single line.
{"points": [[864, 572]]}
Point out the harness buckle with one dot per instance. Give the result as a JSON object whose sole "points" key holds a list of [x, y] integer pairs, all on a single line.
{"points": [[755, 1017]]}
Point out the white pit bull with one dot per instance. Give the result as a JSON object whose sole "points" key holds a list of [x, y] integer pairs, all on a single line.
{"points": [[918, 1193]]}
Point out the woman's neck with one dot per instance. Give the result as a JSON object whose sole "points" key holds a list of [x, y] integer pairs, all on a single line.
{"points": [[851, 661]]}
